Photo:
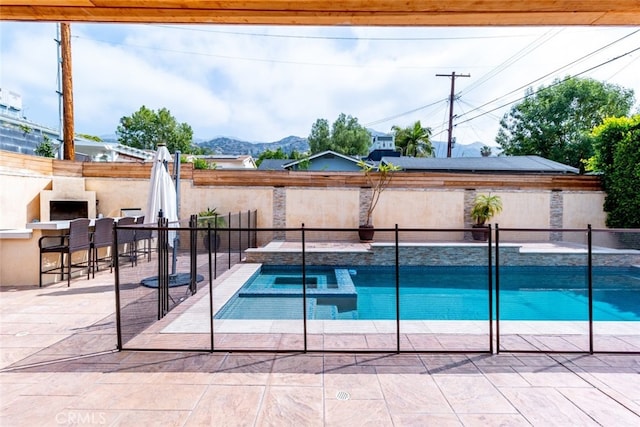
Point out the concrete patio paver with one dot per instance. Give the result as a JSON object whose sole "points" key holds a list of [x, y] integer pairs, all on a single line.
{"points": [[59, 367]]}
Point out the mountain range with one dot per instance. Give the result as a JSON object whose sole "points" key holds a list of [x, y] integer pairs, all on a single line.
{"points": [[234, 146], [226, 145]]}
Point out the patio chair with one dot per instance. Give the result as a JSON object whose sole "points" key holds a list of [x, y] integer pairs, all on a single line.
{"points": [[76, 241], [127, 238], [143, 235], [102, 237]]}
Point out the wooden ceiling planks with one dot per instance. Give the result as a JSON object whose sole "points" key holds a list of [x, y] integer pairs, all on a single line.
{"points": [[327, 12]]}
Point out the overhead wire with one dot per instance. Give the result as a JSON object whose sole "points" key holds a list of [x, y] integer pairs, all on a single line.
{"points": [[355, 38], [582, 58], [553, 84], [546, 37]]}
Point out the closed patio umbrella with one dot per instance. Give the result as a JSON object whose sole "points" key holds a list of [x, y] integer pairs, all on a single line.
{"points": [[162, 197], [162, 192]]}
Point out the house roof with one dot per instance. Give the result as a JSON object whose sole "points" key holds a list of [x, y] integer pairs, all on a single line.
{"points": [[503, 164], [326, 153], [273, 164]]}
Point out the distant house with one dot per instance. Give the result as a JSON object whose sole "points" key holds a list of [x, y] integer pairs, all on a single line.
{"points": [[494, 165], [273, 164], [383, 141], [325, 161]]}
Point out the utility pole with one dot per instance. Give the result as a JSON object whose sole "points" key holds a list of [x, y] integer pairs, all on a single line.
{"points": [[67, 91], [453, 76]]}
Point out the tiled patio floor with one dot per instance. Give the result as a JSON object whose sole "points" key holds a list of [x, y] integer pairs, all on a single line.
{"points": [[59, 367]]}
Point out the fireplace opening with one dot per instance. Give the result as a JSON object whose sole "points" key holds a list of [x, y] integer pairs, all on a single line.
{"points": [[68, 209]]}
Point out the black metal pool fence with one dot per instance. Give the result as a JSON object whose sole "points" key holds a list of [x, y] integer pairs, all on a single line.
{"points": [[169, 302]]}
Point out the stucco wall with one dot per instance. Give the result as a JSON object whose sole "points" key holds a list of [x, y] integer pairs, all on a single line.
{"points": [[20, 199], [583, 208]]}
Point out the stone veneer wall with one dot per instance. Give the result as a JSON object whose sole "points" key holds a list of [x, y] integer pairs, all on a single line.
{"points": [[365, 200], [279, 210], [439, 255], [557, 214]]}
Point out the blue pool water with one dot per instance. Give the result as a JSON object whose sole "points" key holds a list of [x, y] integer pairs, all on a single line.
{"points": [[437, 293]]}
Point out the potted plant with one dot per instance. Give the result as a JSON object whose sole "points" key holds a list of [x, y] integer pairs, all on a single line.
{"points": [[378, 178], [210, 218], [485, 207]]}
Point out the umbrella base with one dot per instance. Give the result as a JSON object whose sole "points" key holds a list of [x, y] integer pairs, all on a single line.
{"points": [[178, 279]]}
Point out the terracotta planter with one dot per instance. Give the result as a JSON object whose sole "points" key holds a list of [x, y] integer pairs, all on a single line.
{"points": [[480, 233], [366, 233], [213, 243]]}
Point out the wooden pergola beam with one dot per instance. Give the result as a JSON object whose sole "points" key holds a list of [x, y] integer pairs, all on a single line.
{"points": [[328, 12]]}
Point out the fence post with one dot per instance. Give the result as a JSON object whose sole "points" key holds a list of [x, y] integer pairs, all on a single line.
{"points": [[215, 247], [239, 236], [215, 269], [590, 284], [497, 289], [193, 254], [397, 292], [248, 229], [490, 285], [229, 242], [304, 290], [114, 253]]}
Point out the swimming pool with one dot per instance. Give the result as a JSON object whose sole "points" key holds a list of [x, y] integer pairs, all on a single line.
{"points": [[437, 293]]}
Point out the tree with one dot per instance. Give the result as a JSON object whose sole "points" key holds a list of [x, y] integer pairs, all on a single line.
{"points": [[554, 122], [414, 140], [617, 157], [485, 151], [45, 149], [378, 179], [320, 137], [346, 136], [146, 128], [271, 154], [89, 137], [349, 137]]}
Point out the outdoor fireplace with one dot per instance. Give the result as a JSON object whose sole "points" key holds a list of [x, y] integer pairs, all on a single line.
{"points": [[67, 200], [68, 209]]}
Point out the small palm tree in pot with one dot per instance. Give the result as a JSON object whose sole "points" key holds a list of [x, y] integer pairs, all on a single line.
{"points": [[485, 207], [206, 218]]}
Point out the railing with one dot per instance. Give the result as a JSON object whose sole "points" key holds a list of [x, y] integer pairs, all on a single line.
{"points": [[421, 273]]}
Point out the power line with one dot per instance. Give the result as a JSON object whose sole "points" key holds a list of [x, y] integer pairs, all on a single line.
{"points": [[551, 73], [298, 36], [386, 119], [512, 60], [551, 85]]}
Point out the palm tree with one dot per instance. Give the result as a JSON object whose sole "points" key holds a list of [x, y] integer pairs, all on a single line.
{"points": [[414, 140], [485, 151]]}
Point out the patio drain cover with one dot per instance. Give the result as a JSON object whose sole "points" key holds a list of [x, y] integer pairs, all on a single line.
{"points": [[343, 395]]}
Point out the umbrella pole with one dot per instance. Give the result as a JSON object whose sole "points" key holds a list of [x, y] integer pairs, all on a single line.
{"points": [[176, 239]]}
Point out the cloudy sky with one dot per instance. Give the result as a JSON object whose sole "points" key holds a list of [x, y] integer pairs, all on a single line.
{"points": [[265, 83]]}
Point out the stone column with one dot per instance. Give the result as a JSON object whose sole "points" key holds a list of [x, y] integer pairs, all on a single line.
{"points": [[364, 201], [279, 211], [556, 211], [469, 197]]}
